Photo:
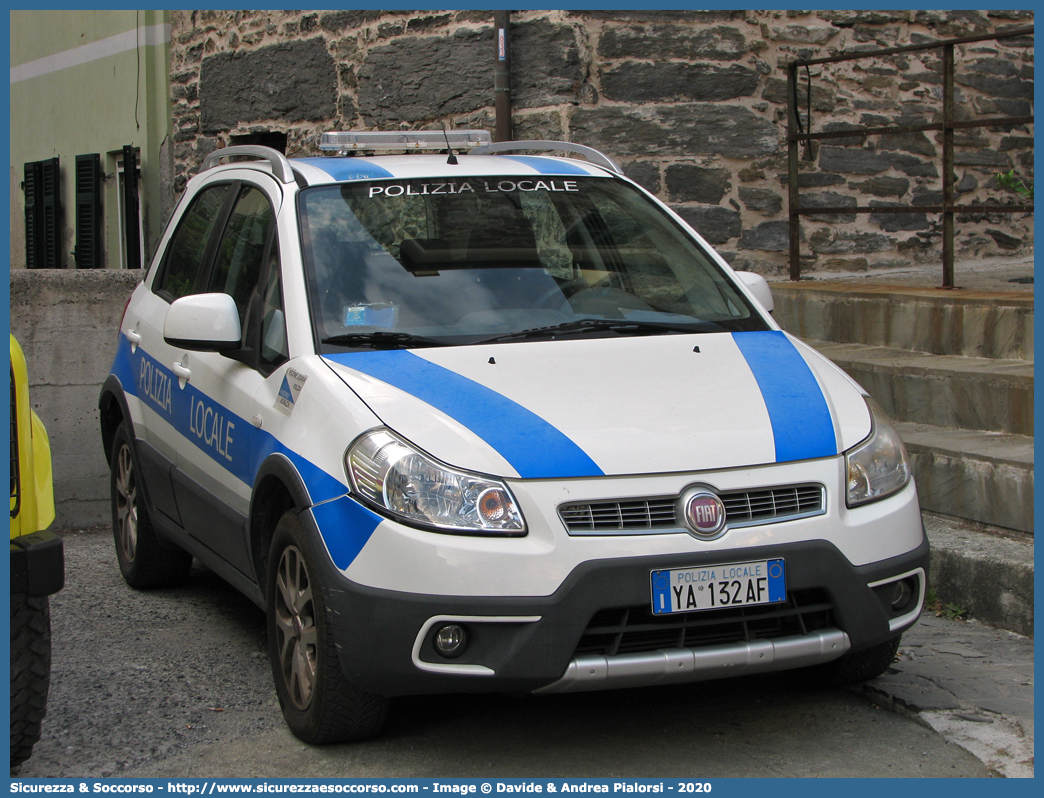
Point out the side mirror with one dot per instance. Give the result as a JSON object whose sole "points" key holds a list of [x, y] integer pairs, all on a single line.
{"points": [[759, 287], [203, 323]]}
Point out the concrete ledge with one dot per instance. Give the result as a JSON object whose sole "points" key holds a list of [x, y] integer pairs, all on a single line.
{"points": [[67, 322], [969, 323], [982, 476], [983, 570], [945, 391]]}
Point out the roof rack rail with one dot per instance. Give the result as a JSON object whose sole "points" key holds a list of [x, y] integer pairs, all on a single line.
{"points": [[280, 165], [593, 155]]}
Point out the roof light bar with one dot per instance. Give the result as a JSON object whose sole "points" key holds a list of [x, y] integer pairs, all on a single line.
{"points": [[413, 140]]}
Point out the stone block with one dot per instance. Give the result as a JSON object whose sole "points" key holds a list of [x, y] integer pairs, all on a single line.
{"points": [[730, 131], [538, 126], [883, 186], [646, 175], [662, 42], [415, 79], [545, 65], [828, 199], [671, 81], [872, 162], [916, 142], [339, 21], [824, 98], [828, 242], [691, 183], [293, 81], [768, 236], [714, 223], [761, 200], [895, 222]]}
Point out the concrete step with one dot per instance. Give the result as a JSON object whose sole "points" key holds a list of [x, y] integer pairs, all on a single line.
{"points": [[988, 324], [942, 390], [980, 476], [984, 570]]}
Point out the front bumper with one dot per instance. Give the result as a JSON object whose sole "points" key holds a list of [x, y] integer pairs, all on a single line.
{"points": [[37, 564], [595, 631]]}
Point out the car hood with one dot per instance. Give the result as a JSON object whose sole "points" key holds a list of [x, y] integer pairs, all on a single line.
{"points": [[613, 406]]}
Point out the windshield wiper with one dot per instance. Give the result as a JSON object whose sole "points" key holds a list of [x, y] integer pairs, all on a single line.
{"points": [[383, 339], [622, 326]]}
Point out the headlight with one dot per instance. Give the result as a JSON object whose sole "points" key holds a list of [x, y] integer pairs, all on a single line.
{"points": [[389, 474], [879, 466]]}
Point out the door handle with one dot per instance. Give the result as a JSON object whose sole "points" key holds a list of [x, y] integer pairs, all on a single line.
{"points": [[135, 338], [183, 374]]}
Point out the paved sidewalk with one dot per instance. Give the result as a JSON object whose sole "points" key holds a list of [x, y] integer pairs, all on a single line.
{"points": [[971, 683]]}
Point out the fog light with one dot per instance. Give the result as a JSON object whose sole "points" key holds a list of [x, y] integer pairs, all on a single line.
{"points": [[451, 640], [902, 591]]}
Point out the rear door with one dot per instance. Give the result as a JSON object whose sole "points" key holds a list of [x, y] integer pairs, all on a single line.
{"points": [[181, 271]]}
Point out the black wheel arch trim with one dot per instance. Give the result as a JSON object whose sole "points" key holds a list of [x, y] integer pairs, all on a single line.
{"points": [[111, 391], [264, 514]]}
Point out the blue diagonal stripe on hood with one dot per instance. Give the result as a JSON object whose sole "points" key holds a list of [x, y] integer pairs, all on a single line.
{"points": [[533, 447], [801, 424]]}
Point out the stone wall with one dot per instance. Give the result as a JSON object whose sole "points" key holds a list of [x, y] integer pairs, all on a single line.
{"points": [[693, 104]]}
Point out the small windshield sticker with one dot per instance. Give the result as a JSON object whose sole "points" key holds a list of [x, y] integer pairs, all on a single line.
{"points": [[293, 382], [370, 314], [473, 187]]}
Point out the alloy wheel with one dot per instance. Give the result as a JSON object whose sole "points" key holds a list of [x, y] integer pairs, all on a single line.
{"points": [[295, 627]]}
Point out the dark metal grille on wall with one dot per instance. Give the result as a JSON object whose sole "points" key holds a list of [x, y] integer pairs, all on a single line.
{"points": [[796, 134], [131, 227]]}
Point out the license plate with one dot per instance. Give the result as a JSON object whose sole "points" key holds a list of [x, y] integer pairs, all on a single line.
{"points": [[712, 587]]}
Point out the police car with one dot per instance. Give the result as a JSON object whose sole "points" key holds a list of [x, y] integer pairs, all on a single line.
{"points": [[491, 417]]}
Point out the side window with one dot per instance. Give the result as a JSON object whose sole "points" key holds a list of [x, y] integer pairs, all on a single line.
{"points": [[240, 255], [188, 246], [274, 348]]}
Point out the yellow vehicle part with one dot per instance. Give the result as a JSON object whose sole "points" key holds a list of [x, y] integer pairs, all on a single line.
{"points": [[32, 489]]}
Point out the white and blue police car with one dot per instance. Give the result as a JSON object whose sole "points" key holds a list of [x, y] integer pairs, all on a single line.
{"points": [[493, 419]]}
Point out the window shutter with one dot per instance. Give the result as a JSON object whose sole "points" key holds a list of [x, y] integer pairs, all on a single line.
{"points": [[88, 211], [43, 214], [52, 214], [33, 173]]}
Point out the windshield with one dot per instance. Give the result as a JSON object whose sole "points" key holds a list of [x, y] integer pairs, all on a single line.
{"points": [[423, 262]]}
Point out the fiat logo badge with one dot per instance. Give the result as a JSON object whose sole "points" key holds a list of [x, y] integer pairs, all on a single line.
{"points": [[705, 514]]}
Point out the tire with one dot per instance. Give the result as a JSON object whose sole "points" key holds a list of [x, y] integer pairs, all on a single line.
{"points": [[144, 562], [30, 672], [861, 666], [319, 704]]}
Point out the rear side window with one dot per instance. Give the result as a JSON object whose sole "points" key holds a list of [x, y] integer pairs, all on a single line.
{"points": [[187, 249], [240, 255]]}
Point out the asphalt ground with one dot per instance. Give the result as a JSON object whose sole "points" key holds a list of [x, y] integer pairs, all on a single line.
{"points": [[176, 683]]}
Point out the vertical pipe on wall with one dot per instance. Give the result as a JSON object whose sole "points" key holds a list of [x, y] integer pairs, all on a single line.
{"points": [[793, 126], [502, 77], [947, 181]]}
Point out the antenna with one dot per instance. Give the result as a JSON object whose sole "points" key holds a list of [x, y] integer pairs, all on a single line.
{"points": [[452, 160]]}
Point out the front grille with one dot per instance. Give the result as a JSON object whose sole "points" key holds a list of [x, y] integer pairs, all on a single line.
{"points": [[659, 514], [633, 630], [617, 515]]}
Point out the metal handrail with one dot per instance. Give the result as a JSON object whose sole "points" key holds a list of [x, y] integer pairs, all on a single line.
{"points": [[947, 126]]}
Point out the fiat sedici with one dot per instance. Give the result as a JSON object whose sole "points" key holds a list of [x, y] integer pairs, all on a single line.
{"points": [[493, 419]]}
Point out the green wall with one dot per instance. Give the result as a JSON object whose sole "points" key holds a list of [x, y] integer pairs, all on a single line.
{"points": [[85, 82]]}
